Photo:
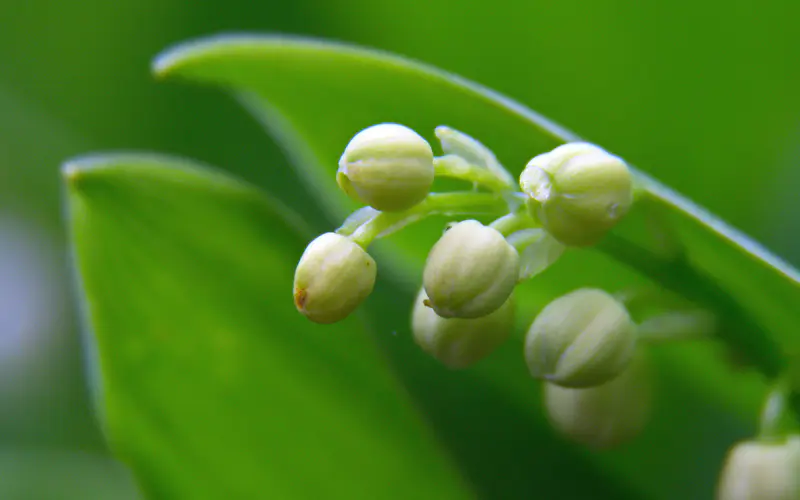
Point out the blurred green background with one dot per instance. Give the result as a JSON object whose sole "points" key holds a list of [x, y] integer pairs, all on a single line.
{"points": [[703, 95]]}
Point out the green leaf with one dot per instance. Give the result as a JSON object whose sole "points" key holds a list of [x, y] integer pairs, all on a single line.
{"points": [[62, 475], [212, 385], [315, 95], [276, 78]]}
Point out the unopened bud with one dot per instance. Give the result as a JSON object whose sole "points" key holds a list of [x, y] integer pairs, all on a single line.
{"points": [[470, 272], [388, 166], [582, 339], [458, 342], [333, 277], [607, 415], [767, 470], [578, 192]]}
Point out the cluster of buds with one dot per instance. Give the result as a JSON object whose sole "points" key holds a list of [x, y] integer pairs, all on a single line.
{"points": [[584, 347], [573, 194]]}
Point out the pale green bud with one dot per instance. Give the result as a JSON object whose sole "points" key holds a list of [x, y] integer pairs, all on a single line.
{"points": [[582, 339], [459, 342], [333, 277], [388, 166], [762, 471], [578, 192], [607, 415], [470, 272]]}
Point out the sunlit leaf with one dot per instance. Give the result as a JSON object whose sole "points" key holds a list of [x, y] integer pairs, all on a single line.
{"points": [[213, 386]]}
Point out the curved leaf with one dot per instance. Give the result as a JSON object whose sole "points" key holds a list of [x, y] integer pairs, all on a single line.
{"points": [[212, 385], [61, 475], [315, 95]]}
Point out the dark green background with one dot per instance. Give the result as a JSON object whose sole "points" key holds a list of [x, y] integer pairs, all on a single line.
{"points": [[704, 95]]}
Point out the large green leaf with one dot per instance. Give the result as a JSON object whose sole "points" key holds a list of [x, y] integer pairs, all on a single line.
{"points": [[212, 386], [315, 95], [62, 475]]}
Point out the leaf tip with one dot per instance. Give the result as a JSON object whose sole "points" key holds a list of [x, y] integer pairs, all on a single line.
{"points": [[177, 57], [171, 59], [82, 172], [165, 62], [76, 172], [73, 174]]}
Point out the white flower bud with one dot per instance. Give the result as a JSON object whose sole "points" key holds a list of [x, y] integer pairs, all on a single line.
{"points": [[762, 471], [607, 415], [470, 272], [582, 339], [578, 192], [388, 166], [458, 342], [333, 277]]}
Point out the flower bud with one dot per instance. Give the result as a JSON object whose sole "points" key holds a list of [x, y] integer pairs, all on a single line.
{"points": [[388, 166], [578, 192], [333, 277], [470, 272], [607, 415], [762, 470], [582, 339], [459, 342]]}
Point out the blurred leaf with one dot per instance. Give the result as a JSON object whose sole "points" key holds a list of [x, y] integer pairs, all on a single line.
{"points": [[213, 386], [296, 106], [59, 475], [315, 95], [325, 92]]}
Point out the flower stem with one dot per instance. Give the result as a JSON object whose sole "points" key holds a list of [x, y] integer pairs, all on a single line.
{"points": [[456, 167], [678, 325], [511, 223], [452, 203], [777, 418], [523, 238], [356, 219]]}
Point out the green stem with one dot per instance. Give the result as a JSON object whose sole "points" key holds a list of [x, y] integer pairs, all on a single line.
{"points": [[678, 326], [676, 274], [640, 300], [452, 203], [355, 220], [456, 167], [777, 419], [524, 238], [511, 223]]}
